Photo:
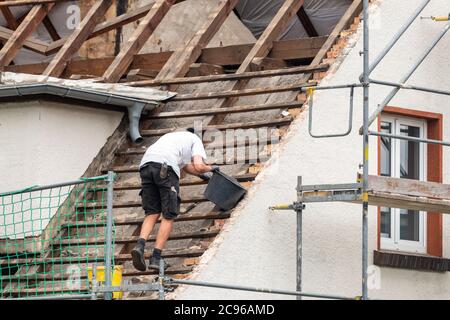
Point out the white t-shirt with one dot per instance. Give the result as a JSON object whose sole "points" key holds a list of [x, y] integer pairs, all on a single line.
{"points": [[176, 149]]}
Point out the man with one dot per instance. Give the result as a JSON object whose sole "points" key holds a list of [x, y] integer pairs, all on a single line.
{"points": [[160, 170]]}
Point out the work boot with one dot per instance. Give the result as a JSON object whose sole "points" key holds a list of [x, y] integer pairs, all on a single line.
{"points": [[137, 255], [154, 263]]}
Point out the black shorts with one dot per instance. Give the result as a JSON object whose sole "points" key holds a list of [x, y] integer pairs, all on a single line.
{"points": [[160, 195]]}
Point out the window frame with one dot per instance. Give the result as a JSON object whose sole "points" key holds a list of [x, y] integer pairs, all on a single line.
{"points": [[434, 170], [394, 242]]}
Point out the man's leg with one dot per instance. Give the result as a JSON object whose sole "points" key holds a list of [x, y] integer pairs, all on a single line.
{"points": [[169, 189], [163, 233], [161, 238], [151, 204], [138, 252], [147, 225]]}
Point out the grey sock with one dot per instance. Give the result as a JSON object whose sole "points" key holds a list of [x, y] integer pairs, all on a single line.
{"points": [[157, 253], [141, 243]]}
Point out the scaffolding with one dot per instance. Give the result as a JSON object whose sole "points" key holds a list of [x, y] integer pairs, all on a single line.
{"points": [[348, 192]]}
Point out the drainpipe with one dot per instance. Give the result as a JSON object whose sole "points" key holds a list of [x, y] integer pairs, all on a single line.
{"points": [[134, 116]]}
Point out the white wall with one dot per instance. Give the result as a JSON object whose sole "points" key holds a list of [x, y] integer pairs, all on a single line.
{"points": [[257, 247], [45, 142]]}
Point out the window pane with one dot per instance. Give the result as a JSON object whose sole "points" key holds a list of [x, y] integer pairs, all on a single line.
{"points": [[409, 169], [409, 153], [409, 225], [385, 222], [386, 127]]}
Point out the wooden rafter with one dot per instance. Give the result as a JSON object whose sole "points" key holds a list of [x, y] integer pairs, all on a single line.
{"points": [[76, 39], [25, 29], [306, 22], [106, 26], [276, 27], [346, 20], [239, 93], [31, 43], [232, 76], [306, 48], [51, 29], [137, 40], [16, 3], [261, 49], [9, 17], [179, 63]]}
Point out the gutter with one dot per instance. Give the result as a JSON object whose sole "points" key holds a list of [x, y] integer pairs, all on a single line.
{"points": [[134, 105]]}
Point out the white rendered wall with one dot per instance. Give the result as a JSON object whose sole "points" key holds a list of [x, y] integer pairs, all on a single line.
{"points": [[258, 248], [46, 142]]}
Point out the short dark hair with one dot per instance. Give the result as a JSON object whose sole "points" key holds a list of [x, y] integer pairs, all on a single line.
{"points": [[191, 130]]}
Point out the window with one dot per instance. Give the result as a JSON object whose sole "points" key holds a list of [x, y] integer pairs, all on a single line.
{"points": [[401, 229]]}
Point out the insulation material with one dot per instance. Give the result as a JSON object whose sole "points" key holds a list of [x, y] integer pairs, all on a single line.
{"points": [[62, 17], [147, 94], [324, 15]]}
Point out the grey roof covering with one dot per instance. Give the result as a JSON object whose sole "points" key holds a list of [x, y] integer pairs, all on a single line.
{"points": [[134, 99], [17, 84]]}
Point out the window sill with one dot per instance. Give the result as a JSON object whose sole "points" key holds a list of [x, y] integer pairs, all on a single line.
{"points": [[410, 261]]}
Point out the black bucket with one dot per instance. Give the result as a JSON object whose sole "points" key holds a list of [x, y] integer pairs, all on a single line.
{"points": [[224, 191]]}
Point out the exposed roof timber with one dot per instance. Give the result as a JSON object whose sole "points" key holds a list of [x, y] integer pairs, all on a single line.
{"points": [[353, 11], [9, 17], [31, 43], [232, 76], [261, 48], [224, 127], [229, 55], [240, 93], [76, 39], [347, 19], [306, 22], [106, 26], [305, 48], [208, 56], [51, 29], [14, 3], [235, 109], [25, 29], [137, 40], [180, 62], [278, 24], [44, 48]]}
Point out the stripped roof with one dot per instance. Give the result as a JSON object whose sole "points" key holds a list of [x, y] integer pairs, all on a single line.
{"points": [[263, 84]]}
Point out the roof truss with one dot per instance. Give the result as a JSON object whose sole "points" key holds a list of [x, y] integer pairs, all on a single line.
{"points": [[169, 65]]}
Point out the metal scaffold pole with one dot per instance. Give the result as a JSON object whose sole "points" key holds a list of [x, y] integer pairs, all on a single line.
{"points": [[365, 195], [109, 226], [299, 211]]}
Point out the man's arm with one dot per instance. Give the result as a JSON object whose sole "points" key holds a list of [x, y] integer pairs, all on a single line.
{"points": [[200, 166], [189, 168]]}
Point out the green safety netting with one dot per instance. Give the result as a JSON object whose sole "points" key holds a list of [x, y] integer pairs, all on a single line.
{"points": [[50, 237]]}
